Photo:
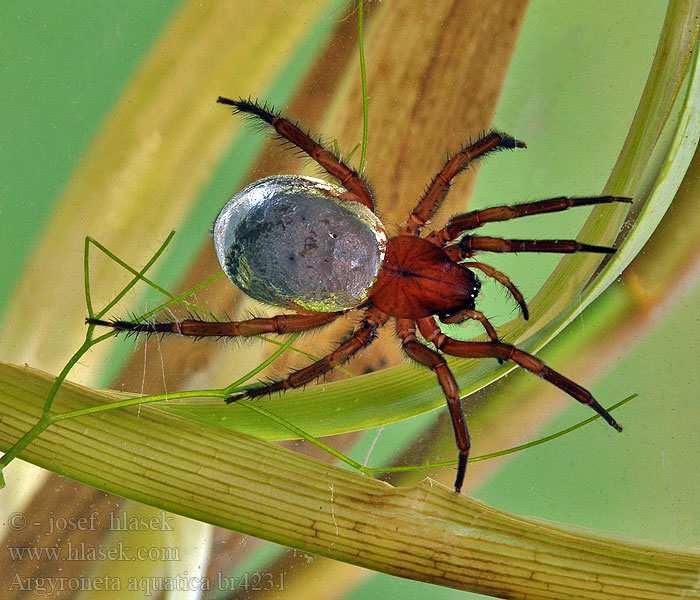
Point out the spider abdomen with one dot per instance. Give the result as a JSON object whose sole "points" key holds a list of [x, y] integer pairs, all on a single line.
{"points": [[291, 241], [418, 279]]}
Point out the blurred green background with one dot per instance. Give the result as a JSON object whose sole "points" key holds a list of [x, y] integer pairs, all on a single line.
{"points": [[571, 91]]}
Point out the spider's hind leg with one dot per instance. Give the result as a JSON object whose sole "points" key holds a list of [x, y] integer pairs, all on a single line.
{"points": [[429, 328], [362, 337], [348, 177], [197, 328]]}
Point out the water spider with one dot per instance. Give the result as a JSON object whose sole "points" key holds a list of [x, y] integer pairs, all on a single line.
{"points": [[318, 249]]}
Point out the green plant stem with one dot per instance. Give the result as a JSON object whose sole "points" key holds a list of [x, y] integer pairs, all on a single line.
{"points": [[499, 453], [426, 532], [302, 434], [138, 275], [426, 466], [363, 79], [86, 277], [263, 365], [23, 442], [213, 393]]}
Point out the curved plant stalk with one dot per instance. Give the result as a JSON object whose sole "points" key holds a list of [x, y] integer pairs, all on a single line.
{"points": [[424, 532], [654, 184]]}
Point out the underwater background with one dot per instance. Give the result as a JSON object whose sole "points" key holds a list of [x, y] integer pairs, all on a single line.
{"points": [[89, 120]]}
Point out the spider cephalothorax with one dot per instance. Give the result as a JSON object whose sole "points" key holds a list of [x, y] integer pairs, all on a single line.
{"points": [[319, 250]]}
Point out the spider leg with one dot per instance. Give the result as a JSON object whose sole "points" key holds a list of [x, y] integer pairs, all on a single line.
{"points": [[470, 245], [476, 218], [473, 315], [456, 254], [349, 178], [437, 189], [428, 328], [197, 328], [362, 337], [406, 330]]}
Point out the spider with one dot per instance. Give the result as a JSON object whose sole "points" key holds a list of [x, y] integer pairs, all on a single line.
{"points": [[319, 250]]}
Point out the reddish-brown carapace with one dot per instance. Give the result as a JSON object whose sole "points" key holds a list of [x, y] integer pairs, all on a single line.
{"points": [[418, 278]]}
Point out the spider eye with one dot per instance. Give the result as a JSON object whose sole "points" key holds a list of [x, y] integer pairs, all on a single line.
{"points": [[476, 287]]}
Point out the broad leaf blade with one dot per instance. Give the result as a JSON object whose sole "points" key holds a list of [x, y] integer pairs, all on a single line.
{"points": [[426, 532]]}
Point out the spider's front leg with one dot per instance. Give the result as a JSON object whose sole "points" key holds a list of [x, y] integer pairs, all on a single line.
{"points": [[429, 329], [362, 337], [406, 330], [476, 218], [436, 191]]}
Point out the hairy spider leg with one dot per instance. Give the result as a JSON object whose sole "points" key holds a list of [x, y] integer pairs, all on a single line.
{"points": [[362, 337], [430, 330], [197, 328], [406, 330], [348, 177], [436, 191], [472, 244], [476, 218], [457, 254]]}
